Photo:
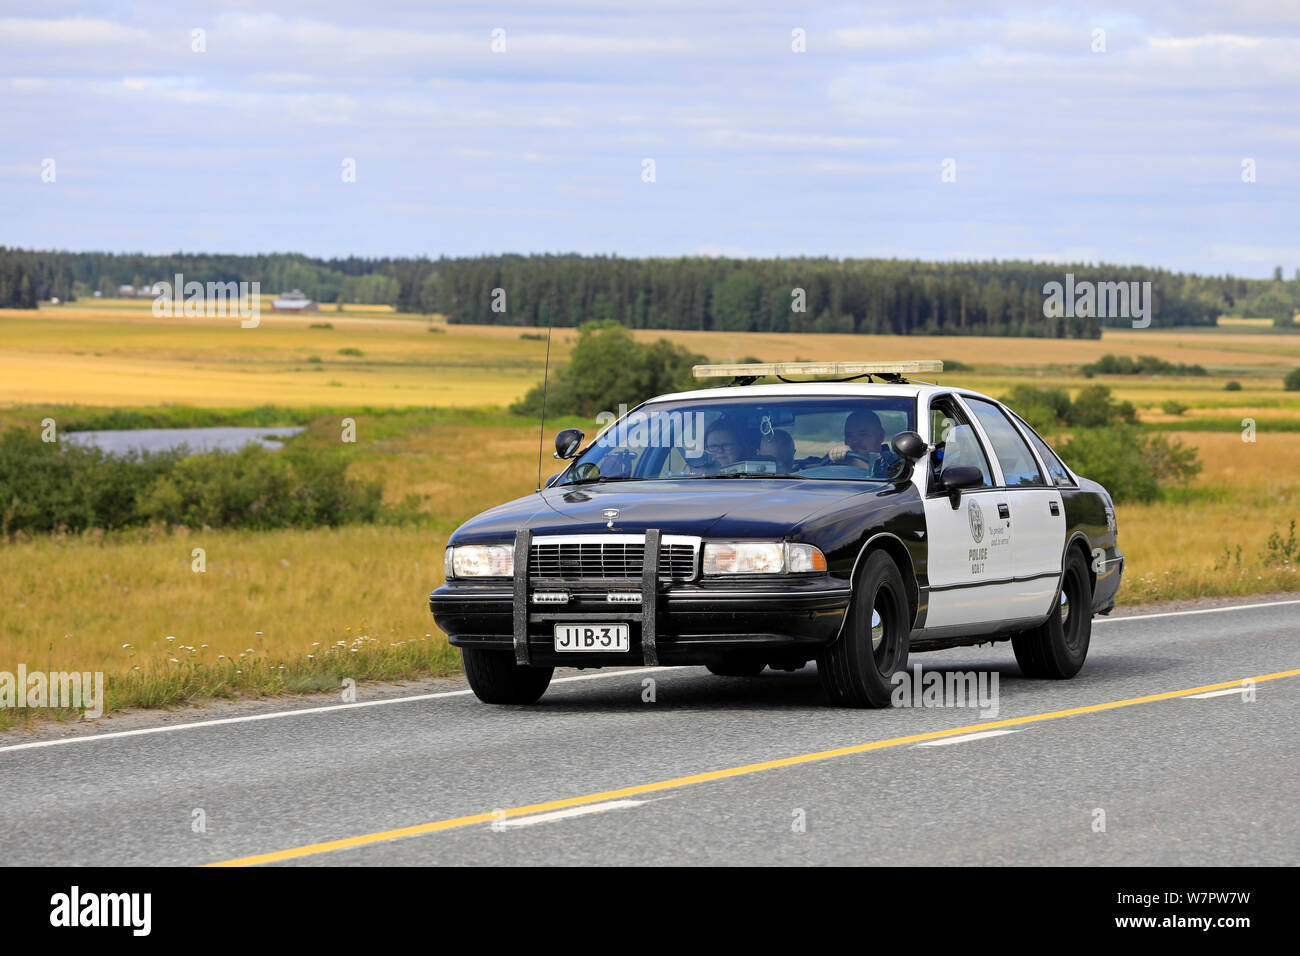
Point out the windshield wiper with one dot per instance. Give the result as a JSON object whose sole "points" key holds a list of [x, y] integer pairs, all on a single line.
{"points": [[752, 474], [598, 478]]}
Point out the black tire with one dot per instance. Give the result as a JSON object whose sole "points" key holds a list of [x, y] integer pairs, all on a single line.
{"points": [[1057, 648], [495, 678], [737, 666], [855, 671]]}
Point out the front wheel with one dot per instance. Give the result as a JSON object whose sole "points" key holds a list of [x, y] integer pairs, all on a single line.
{"points": [[1057, 647], [495, 678], [857, 670]]}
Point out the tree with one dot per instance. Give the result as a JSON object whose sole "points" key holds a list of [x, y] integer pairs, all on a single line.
{"points": [[608, 368]]}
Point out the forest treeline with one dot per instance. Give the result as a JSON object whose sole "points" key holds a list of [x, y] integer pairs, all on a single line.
{"points": [[884, 296]]}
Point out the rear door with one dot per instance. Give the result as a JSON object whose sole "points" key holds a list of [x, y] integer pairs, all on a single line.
{"points": [[1036, 511], [970, 565]]}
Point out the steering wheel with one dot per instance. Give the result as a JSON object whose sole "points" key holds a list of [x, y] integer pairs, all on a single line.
{"points": [[826, 459]]}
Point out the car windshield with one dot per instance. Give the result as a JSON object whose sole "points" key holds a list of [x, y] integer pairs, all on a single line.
{"points": [[796, 437]]}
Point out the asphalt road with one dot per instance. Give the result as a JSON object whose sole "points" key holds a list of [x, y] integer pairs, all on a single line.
{"points": [[720, 770]]}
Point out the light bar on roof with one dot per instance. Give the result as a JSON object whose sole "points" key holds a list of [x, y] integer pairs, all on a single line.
{"points": [[837, 369]]}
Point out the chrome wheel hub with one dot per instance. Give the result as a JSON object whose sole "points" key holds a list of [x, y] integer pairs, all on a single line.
{"points": [[877, 629], [1065, 607]]}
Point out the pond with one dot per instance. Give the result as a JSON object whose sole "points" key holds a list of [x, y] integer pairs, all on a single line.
{"points": [[196, 439]]}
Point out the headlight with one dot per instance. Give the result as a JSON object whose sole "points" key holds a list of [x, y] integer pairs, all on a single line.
{"points": [[761, 557], [480, 561]]}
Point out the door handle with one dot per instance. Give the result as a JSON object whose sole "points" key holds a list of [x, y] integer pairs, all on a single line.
{"points": [[1004, 512], [1055, 508]]}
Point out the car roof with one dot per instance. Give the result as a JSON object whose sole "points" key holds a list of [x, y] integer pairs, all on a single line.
{"points": [[817, 390]]}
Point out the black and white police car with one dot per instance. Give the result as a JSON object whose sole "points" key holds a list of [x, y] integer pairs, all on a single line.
{"points": [[848, 520]]}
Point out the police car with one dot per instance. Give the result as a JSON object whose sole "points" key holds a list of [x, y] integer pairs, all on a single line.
{"points": [[848, 520]]}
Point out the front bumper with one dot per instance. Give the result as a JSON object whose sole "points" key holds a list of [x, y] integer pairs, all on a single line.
{"points": [[696, 623]]}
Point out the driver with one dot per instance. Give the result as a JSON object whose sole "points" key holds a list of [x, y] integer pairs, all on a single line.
{"points": [[863, 435]]}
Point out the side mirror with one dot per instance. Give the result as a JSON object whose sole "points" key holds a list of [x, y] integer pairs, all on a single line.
{"points": [[568, 442], [957, 477], [909, 445]]}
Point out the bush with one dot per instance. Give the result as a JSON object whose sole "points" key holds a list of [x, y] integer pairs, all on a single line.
{"points": [[351, 351], [1233, 386], [1133, 465], [1143, 365], [1045, 409], [607, 367], [58, 485], [1292, 381], [1173, 408], [321, 325], [533, 336], [952, 365], [1094, 408]]}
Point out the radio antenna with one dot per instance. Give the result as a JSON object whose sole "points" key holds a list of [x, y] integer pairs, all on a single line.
{"points": [[541, 429]]}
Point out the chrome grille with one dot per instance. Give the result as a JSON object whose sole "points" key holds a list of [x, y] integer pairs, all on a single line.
{"points": [[614, 557]]}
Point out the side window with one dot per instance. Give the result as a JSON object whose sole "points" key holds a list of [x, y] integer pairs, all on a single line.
{"points": [[1018, 465], [1053, 462], [956, 443]]}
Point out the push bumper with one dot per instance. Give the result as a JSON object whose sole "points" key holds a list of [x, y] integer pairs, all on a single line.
{"points": [[668, 624]]}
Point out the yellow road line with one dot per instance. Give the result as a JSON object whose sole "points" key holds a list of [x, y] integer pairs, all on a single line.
{"points": [[457, 822]]}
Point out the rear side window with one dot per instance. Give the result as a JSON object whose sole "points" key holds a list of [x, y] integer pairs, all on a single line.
{"points": [[1054, 466], [1018, 465]]}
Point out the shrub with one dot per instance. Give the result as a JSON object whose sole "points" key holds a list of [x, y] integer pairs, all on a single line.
{"points": [[1233, 386], [314, 359], [1044, 408], [1132, 464], [321, 325], [1143, 365], [608, 367], [48, 486], [1292, 381], [1173, 408], [350, 350], [533, 336], [1094, 408], [952, 365]]}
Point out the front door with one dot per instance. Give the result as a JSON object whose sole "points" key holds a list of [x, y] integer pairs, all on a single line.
{"points": [[971, 565]]}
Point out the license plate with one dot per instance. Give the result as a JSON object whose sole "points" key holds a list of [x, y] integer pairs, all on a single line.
{"points": [[592, 637]]}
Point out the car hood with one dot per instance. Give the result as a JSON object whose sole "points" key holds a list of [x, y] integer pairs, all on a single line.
{"points": [[721, 507]]}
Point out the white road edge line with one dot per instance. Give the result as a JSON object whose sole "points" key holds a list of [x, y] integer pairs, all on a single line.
{"points": [[248, 718], [1204, 610], [1213, 693], [566, 814], [116, 734], [946, 741]]}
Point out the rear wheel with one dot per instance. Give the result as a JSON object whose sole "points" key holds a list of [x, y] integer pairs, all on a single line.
{"points": [[495, 678], [1057, 647], [856, 670]]}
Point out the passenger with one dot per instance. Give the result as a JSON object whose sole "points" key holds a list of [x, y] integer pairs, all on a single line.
{"points": [[779, 445], [726, 443]]}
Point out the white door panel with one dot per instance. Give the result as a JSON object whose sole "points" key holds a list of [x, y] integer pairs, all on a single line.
{"points": [[1040, 540], [971, 563]]}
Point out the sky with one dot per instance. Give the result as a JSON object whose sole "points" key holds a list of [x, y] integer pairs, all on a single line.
{"points": [[1156, 132]]}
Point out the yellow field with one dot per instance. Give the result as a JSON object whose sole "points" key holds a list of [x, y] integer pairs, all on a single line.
{"points": [[115, 352]]}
